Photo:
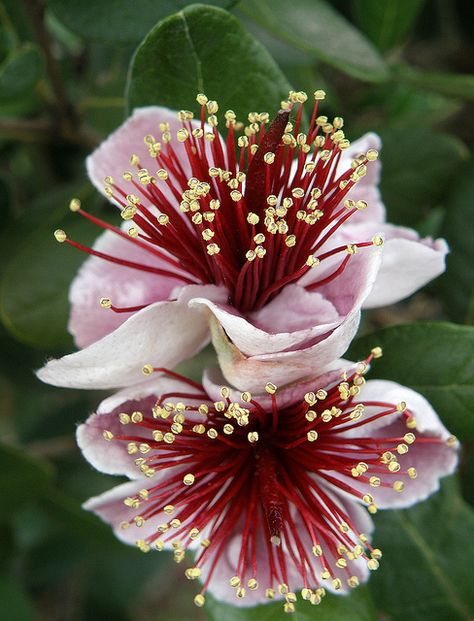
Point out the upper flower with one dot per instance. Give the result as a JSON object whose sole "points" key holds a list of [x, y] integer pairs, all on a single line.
{"points": [[272, 492], [278, 233]]}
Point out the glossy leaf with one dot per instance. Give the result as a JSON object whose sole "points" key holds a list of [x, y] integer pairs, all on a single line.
{"points": [[387, 23], [118, 21], [356, 607], [34, 287], [434, 358], [426, 551], [458, 85], [314, 26], [457, 285], [205, 50], [418, 165], [19, 72], [22, 478]]}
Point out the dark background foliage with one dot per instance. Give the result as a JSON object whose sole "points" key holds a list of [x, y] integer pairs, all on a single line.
{"points": [[68, 74]]}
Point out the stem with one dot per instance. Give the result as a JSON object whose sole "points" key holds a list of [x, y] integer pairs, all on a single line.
{"points": [[67, 112]]}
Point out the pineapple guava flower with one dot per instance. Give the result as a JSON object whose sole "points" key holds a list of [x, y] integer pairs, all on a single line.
{"points": [[273, 237], [272, 494]]}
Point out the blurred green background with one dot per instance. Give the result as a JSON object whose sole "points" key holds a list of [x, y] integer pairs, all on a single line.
{"points": [[402, 68]]}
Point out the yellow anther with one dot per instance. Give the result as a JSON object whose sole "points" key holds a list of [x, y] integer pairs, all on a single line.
{"points": [[373, 564], [377, 352], [312, 261], [312, 435], [213, 249], [137, 417], [252, 437], [105, 302], [319, 94], [108, 435], [199, 600], [412, 473], [372, 154], [270, 388], [60, 235], [253, 218], [188, 479]]}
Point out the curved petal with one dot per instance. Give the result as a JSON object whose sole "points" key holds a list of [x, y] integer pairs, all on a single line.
{"points": [[253, 372], [332, 302], [97, 278], [112, 457], [112, 157], [162, 335], [432, 459], [408, 264], [290, 308], [110, 507]]}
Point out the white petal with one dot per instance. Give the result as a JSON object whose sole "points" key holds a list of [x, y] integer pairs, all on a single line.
{"points": [[162, 335], [407, 266], [98, 278]]}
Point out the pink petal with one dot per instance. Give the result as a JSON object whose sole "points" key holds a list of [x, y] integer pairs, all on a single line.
{"points": [[251, 372], [431, 460], [408, 264], [360, 520], [280, 324], [112, 157], [110, 507], [126, 287], [112, 457], [370, 140], [162, 335]]}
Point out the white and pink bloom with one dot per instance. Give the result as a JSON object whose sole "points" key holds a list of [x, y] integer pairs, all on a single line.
{"points": [[276, 239], [272, 493]]}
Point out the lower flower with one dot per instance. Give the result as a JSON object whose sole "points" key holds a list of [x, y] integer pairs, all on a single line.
{"points": [[271, 494]]}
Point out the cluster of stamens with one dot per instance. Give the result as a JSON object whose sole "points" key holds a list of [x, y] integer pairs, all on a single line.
{"points": [[237, 467], [249, 212]]}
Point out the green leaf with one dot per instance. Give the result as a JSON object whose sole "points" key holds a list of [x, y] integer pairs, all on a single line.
{"points": [[387, 23], [457, 284], [356, 607], [205, 50], [117, 21], [433, 358], [426, 551], [19, 72], [417, 166], [314, 26], [22, 478], [458, 85], [15, 603], [34, 288]]}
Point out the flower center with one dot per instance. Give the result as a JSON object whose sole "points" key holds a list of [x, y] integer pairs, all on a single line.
{"points": [[251, 213]]}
